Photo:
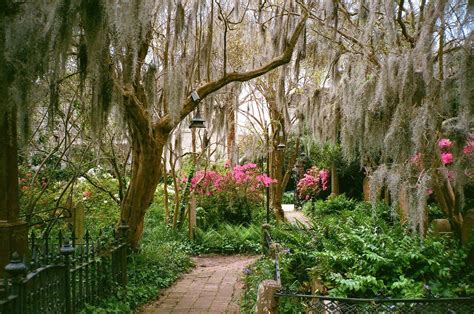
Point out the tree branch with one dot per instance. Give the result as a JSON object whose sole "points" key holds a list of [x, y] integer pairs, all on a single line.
{"points": [[166, 123]]}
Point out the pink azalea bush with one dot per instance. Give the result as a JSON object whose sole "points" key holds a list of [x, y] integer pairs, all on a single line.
{"points": [[242, 177], [447, 158], [233, 195], [313, 182]]}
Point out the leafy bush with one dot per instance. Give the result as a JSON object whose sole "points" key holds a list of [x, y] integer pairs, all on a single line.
{"points": [[228, 239], [333, 205]]}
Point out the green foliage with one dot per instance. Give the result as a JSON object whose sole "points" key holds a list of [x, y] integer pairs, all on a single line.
{"points": [[163, 255], [333, 205], [288, 197], [231, 207], [228, 239], [325, 155], [360, 250]]}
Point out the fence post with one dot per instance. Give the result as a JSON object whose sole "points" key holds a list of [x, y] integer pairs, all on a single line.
{"points": [[66, 251], [16, 269], [123, 233], [267, 303]]}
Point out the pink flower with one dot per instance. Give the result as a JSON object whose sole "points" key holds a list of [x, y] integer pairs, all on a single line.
{"points": [[447, 158], [266, 180], [445, 143], [87, 194], [309, 185], [429, 191], [324, 175], [469, 148]]}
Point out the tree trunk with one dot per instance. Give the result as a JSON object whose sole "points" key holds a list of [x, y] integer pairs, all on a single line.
{"points": [[146, 173], [447, 202], [277, 161], [334, 181], [231, 126]]}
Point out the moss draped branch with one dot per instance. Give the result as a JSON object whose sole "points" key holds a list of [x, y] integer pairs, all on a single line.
{"points": [[167, 123]]}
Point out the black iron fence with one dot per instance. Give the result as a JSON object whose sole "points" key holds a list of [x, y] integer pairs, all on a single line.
{"points": [[330, 305], [63, 274]]}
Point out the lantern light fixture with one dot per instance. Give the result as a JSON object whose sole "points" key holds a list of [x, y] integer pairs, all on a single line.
{"points": [[197, 122]]}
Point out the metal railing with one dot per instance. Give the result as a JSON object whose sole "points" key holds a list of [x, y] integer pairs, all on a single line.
{"points": [[62, 276], [310, 303]]}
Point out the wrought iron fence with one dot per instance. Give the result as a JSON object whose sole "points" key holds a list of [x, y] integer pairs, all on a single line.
{"points": [[62, 276], [330, 305]]}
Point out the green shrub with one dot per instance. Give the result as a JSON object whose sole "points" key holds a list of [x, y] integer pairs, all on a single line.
{"points": [[332, 205], [228, 239], [288, 197]]}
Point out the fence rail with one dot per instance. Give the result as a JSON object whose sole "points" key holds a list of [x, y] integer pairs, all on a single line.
{"points": [[62, 276], [332, 305]]}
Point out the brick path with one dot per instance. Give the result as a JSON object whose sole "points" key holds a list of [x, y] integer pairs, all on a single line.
{"points": [[214, 286], [294, 216]]}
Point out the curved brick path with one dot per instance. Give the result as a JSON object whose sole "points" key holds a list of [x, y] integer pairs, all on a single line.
{"points": [[214, 286]]}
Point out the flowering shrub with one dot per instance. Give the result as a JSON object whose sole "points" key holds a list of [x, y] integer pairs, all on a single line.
{"points": [[313, 181], [448, 155], [233, 196]]}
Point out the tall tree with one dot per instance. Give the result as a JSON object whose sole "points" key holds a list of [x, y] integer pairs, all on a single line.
{"points": [[391, 98], [145, 57]]}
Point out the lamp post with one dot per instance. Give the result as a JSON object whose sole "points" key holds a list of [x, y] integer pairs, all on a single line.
{"points": [[197, 122]]}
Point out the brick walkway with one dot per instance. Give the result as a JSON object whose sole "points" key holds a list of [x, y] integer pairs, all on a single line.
{"points": [[214, 286], [294, 216]]}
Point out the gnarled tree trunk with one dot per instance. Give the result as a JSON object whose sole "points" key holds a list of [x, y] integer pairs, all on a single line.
{"points": [[146, 173]]}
